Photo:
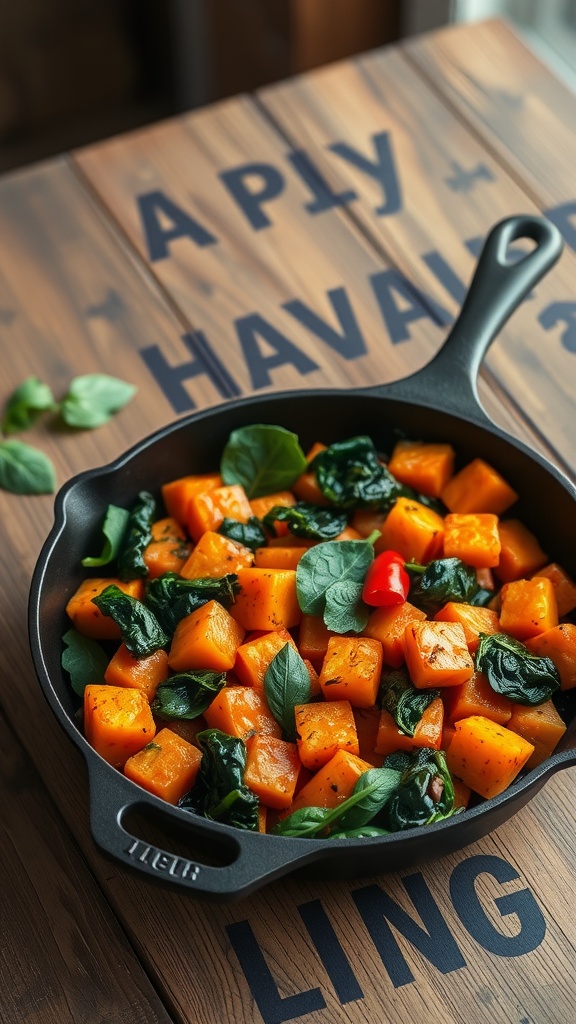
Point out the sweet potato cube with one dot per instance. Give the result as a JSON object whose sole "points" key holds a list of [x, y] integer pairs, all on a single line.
{"points": [[261, 506], [474, 619], [426, 468], [241, 711], [313, 639], [272, 768], [87, 618], [367, 721], [214, 556], [528, 607], [267, 599], [558, 644], [322, 729], [428, 732], [436, 654], [412, 529], [475, 696], [207, 638], [254, 657], [286, 557], [486, 756], [306, 487], [208, 509], [177, 494], [520, 551], [168, 549], [351, 670], [542, 726], [144, 674], [366, 520], [564, 587], [388, 626], [166, 767], [462, 793], [118, 721], [478, 487], [333, 783], [473, 537]]}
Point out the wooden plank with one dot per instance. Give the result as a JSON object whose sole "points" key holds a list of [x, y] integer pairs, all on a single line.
{"points": [[60, 939], [442, 189]]}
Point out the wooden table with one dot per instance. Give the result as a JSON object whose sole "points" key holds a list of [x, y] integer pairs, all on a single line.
{"points": [[322, 231]]}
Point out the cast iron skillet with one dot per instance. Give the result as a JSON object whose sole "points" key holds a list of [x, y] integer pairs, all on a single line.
{"points": [[439, 403]]}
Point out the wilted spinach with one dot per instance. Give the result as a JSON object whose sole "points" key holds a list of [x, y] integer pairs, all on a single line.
{"points": [[329, 580], [404, 701], [187, 694], [83, 659], [220, 793], [172, 598], [513, 671], [425, 793], [136, 537], [286, 683], [251, 534], [140, 629], [443, 580], [263, 458], [350, 474], [307, 520]]}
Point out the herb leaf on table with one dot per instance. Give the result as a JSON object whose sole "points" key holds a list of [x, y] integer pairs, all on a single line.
{"points": [[29, 399], [25, 470], [93, 398]]}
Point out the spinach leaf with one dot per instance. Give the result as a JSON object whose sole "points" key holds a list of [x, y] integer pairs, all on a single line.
{"points": [[286, 683], [25, 470], [323, 578], [350, 474], [404, 701], [375, 788], [83, 659], [139, 627], [445, 579], [398, 759], [113, 529], [220, 793], [263, 458], [513, 671], [306, 823], [93, 398], [29, 399], [187, 694], [250, 534], [307, 520], [172, 598], [425, 793], [136, 537]]}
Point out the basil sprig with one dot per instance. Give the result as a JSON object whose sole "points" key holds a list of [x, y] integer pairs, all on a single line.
{"points": [[329, 581], [513, 671], [263, 458], [286, 684]]}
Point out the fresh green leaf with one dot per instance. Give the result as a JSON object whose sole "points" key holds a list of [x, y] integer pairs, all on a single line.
{"points": [[443, 580], [83, 659], [140, 629], [251, 534], [404, 701], [93, 399], [345, 610], [262, 458], [136, 537], [25, 403], [328, 575], [350, 474], [187, 694], [172, 598], [286, 683], [513, 671], [220, 793], [25, 470], [374, 789], [306, 823], [307, 520], [113, 529]]}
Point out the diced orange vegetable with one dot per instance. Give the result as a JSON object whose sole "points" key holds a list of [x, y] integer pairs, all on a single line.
{"points": [[474, 619], [177, 494], [306, 487], [322, 729], [413, 530], [475, 696], [388, 625], [168, 549], [349, 533], [425, 467], [254, 656], [486, 756], [118, 721], [558, 644], [473, 537], [485, 578], [208, 509], [216, 555], [462, 793], [278, 557], [87, 618], [528, 607], [564, 587], [448, 734], [241, 711], [333, 783], [166, 767], [144, 674], [315, 690], [207, 638], [436, 654], [290, 540], [261, 506], [367, 721], [267, 599], [428, 732], [272, 767], [262, 818], [542, 726], [187, 728], [351, 670], [478, 487], [313, 639], [366, 520], [520, 552]]}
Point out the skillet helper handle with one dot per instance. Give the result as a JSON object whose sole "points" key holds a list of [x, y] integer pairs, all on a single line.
{"points": [[498, 287], [246, 858]]}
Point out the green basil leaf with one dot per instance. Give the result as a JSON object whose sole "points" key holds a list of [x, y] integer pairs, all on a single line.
{"points": [[251, 534], [307, 520], [374, 789], [84, 660], [137, 536], [333, 564], [404, 701], [93, 399], [219, 792], [113, 528], [286, 683], [350, 474], [29, 399], [345, 610], [139, 627], [187, 694], [262, 458], [171, 597], [443, 580], [25, 470], [305, 823], [513, 671]]}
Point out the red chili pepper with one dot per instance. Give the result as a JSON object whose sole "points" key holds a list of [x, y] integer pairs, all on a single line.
{"points": [[387, 582]]}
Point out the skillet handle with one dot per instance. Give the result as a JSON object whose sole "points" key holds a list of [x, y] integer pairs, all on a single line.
{"points": [[244, 860], [498, 287]]}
